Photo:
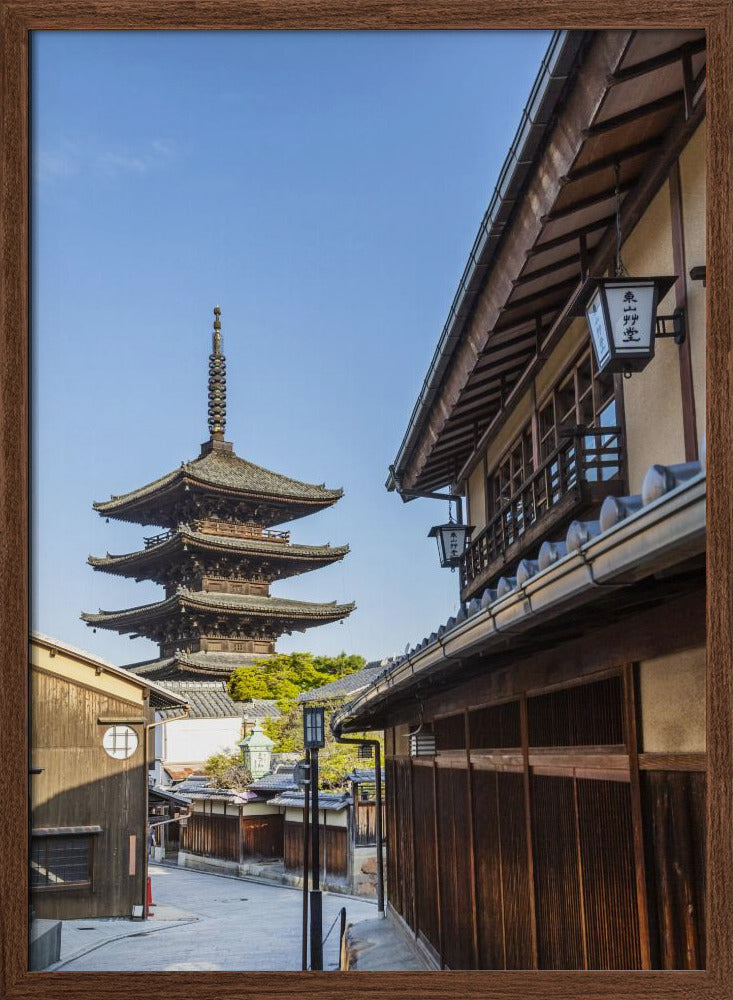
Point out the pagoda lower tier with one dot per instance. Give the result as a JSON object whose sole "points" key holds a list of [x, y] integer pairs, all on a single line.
{"points": [[201, 621]]}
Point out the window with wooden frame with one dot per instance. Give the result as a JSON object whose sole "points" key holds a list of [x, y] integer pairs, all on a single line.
{"points": [[582, 399], [62, 861]]}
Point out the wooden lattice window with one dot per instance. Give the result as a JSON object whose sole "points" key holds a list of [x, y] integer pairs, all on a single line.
{"points": [[450, 733], [61, 862], [583, 715]]}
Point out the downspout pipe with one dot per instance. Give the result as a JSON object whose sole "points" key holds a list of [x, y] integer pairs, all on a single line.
{"points": [[355, 741]]}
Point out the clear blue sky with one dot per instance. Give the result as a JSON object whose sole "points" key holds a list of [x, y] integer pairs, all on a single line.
{"points": [[324, 189]]}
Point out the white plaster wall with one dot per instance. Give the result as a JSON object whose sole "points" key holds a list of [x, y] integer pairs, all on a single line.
{"points": [[192, 741]]}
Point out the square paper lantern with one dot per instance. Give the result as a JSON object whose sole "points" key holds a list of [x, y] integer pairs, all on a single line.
{"points": [[622, 317]]}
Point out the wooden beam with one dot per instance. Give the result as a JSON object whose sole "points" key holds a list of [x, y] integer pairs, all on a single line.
{"points": [[631, 727], [532, 901], [527, 276], [604, 162], [571, 235], [634, 114], [689, 417], [657, 62], [556, 288], [594, 199], [471, 845]]}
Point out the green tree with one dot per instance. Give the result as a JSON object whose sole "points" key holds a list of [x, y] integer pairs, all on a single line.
{"points": [[283, 677], [227, 770]]}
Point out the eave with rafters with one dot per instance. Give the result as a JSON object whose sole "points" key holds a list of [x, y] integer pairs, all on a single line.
{"points": [[187, 552]]}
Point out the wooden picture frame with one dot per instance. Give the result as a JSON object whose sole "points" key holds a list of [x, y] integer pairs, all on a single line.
{"points": [[19, 17]]}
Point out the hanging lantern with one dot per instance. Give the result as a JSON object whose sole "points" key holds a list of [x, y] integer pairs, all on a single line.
{"points": [[623, 322], [452, 540]]}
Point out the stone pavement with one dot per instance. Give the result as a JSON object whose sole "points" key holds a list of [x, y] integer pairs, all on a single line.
{"points": [[378, 945], [205, 921]]}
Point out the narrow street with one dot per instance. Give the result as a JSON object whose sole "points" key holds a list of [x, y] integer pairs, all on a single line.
{"points": [[239, 925]]}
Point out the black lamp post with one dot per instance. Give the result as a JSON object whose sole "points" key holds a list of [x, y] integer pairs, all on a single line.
{"points": [[313, 739]]}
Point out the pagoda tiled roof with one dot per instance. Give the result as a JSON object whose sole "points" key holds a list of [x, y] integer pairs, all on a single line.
{"points": [[203, 665], [224, 471], [250, 605], [254, 546]]}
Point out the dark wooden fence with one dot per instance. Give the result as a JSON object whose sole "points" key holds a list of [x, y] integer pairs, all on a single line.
{"points": [[262, 836], [334, 850], [212, 836], [580, 857], [365, 822]]}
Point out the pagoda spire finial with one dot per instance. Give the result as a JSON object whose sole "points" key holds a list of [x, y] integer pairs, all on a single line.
{"points": [[217, 383]]}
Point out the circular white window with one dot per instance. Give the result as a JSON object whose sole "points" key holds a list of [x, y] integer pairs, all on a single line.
{"points": [[120, 742]]}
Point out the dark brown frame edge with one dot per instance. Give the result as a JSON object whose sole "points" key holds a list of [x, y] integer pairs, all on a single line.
{"points": [[17, 18]]}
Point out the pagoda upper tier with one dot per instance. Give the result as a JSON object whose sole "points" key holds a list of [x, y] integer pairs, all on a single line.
{"points": [[222, 486], [219, 551]]}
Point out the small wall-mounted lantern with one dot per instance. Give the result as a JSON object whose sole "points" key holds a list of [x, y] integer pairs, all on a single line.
{"points": [[452, 540], [623, 322], [313, 729]]}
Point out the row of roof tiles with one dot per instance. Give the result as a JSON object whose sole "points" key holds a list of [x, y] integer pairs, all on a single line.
{"points": [[659, 480]]}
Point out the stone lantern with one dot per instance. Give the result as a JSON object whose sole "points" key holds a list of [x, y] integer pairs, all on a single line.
{"points": [[257, 751]]}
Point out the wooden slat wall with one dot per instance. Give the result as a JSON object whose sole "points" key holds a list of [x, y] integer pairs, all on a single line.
{"points": [[426, 897], [557, 886], [262, 836], [549, 843], [512, 824], [609, 886], [212, 836], [674, 822], [365, 822], [455, 889], [333, 841], [489, 885]]}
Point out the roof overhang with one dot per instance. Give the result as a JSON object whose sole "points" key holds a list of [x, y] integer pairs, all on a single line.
{"points": [[600, 97], [668, 532]]}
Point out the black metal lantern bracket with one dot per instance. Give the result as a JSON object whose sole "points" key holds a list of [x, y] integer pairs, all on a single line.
{"points": [[673, 326]]}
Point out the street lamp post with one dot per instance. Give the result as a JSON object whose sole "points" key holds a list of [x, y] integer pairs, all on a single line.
{"points": [[313, 740]]}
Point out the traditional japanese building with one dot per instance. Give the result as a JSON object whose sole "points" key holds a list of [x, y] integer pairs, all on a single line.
{"points": [[217, 555], [546, 749]]}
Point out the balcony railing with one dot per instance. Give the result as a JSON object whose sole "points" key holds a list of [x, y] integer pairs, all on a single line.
{"points": [[575, 473]]}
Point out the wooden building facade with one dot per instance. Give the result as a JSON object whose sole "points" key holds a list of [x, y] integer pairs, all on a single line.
{"points": [[545, 746], [89, 799]]}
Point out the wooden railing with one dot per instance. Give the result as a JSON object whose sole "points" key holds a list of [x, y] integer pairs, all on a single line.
{"points": [[231, 530], [227, 530], [587, 457]]}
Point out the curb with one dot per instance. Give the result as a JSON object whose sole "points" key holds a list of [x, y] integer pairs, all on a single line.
{"points": [[263, 881], [117, 937]]}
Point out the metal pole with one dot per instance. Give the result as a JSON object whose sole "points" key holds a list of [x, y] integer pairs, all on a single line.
{"points": [[315, 897], [380, 860], [306, 832]]}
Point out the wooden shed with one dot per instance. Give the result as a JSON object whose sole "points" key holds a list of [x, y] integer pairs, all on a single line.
{"points": [[89, 797]]}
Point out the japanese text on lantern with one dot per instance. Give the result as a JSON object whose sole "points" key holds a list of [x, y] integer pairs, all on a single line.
{"points": [[630, 331]]}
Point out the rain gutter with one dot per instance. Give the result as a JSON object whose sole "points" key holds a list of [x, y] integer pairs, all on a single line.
{"points": [[654, 538]]}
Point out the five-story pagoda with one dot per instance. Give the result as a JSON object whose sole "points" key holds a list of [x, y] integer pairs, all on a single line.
{"points": [[217, 555]]}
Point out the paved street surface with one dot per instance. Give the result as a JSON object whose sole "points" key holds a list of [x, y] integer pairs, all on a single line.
{"points": [[238, 925]]}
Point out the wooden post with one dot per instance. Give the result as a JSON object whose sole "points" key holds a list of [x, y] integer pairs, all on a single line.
{"points": [[471, 845], [524, 731], [436, 845], [636, 813], [689, 419]]}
